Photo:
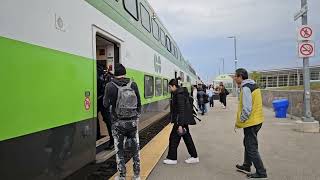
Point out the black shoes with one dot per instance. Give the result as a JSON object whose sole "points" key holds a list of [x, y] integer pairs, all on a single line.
{"points": [[257, 176], [243, 169], [110, 146]]}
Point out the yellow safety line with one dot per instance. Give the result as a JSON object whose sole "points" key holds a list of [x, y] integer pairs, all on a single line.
{"points": [[150, 154]]}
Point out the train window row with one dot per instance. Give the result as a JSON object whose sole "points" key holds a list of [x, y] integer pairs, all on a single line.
{"points": [[150, 24], [155, 86]]}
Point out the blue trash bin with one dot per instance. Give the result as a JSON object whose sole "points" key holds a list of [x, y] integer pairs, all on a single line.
{"points": [[280, 107]]}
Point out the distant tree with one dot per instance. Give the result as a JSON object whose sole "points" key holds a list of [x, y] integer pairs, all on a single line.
{"points": [[256, 76]]}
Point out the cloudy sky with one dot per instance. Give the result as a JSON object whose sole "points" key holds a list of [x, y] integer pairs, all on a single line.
{"points": [[265, 30]]}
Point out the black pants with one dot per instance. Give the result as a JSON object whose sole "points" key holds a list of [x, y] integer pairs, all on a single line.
{"points": [[223, 100], [174, 142], [251, 154], [211, 101], [106, 118]]}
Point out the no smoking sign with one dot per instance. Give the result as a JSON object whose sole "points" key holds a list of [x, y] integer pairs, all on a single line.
{"points": [[306, 49]]}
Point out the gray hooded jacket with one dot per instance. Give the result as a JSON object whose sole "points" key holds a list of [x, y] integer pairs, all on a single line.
{"points": [[246, 100]]}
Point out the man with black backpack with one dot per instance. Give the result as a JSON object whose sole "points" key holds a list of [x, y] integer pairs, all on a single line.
{"points": [[181, 116], [123, 96]]}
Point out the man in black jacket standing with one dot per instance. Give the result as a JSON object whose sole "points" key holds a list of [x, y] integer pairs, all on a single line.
{"points": [[181, 117], [123, 96]]}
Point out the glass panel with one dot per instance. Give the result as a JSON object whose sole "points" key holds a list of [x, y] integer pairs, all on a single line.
{"points": [[158, 86], [145, 18], [148, 86], [131, 7], [155, 29]]}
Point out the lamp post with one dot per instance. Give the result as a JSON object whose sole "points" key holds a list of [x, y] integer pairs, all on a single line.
{"points": [[235, 60], [222, 59]]}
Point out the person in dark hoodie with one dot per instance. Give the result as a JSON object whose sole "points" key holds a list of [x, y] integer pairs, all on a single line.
{"points": [[181, 117], [101, 84], [123, 96], [250, 117], [202, 97]]}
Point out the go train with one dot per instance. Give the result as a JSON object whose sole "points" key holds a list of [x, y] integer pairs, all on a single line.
{"points": [[49, 51]]}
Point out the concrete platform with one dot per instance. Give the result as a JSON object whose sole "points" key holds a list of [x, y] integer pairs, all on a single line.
{"points": [[287, 154]]}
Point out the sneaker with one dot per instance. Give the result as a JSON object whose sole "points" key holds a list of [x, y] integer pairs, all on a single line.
{"points": [[136, 178], [170, 162], [192, 160], [243, 169], [257, 176], [119, 178], [110, 147]]}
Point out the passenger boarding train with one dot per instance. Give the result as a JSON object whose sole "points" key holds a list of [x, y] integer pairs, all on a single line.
{"points": [[49, 51]]}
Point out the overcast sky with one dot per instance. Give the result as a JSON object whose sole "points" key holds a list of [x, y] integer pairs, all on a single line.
{"points": [[265, 30]]}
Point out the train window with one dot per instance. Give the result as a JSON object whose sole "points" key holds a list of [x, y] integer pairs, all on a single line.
{"points": [[158, 86], [148, 86], [188, 79], [162, 37], [173, 50], [165, 86], [168, 43], [131, 6], [155, 29], [145, 18], [182, 76]]}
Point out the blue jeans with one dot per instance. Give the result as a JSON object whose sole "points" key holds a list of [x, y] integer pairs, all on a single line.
{"points": [[202, 108]]}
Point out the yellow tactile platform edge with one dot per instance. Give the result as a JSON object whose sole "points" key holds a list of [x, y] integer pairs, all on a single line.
{"points": [[150, 154]]}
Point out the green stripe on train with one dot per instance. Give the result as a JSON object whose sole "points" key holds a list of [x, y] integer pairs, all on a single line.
{"points": [[43, 88]]}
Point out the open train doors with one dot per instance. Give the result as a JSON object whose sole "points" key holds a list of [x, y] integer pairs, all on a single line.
{"points": [[106, 53]]}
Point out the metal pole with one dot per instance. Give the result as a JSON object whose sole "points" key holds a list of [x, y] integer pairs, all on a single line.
{"points": [[223, 65], [235, 52], [306, 76]]}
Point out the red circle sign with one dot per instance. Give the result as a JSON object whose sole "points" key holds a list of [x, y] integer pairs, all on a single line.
{"points": [[87, 103], [306, 32], [306, 49]]}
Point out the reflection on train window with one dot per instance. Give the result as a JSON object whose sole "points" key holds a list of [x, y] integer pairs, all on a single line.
{"points": [[145, 18], [165, 87], [168, 43], [148, 86], [158, 86], [155, 29], [188, 79], [131, 6], [163, 37], [182, 76], [173, 49]]}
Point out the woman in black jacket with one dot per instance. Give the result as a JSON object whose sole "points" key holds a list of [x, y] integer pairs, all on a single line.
{"points": [[181, 117]]}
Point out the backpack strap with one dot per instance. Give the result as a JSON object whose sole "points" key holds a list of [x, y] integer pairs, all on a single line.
{"points": [[128, 85], [117, 86]]}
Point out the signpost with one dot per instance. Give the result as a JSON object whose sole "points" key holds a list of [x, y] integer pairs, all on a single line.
{"points": [[306, 49]]}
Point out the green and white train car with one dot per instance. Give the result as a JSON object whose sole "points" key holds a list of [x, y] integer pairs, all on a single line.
{"points": [[49, 52]]}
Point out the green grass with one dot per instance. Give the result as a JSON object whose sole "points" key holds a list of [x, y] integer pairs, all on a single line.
{"points": [[314, 86]]}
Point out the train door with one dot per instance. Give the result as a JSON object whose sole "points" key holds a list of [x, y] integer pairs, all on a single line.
{"points": [[106, 53]]}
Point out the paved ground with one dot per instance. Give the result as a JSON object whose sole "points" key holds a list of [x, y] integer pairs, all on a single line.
{"points": [[287, 154]]}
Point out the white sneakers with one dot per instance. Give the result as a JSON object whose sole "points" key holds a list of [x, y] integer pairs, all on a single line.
{"points": [[133, 178], [170, 162], [188, 161], [192, 160]]}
